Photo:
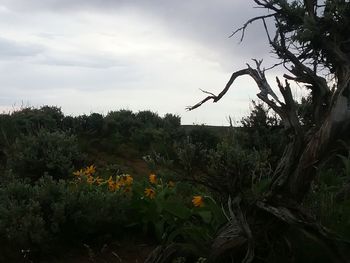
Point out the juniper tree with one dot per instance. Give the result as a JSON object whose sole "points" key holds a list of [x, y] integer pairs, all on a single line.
{"points": [[311, 39]]}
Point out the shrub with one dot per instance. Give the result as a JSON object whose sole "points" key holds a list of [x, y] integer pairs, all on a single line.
{"points": [[202, 135], [94, 124], [177, 212], [54, 153], [171, 122], [262, 131], [29, 120], [232, 168], [36, 217], [122, 122], [148, 119]]}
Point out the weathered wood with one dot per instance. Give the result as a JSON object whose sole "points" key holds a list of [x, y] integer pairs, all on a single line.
{"points": [[328, 48]]}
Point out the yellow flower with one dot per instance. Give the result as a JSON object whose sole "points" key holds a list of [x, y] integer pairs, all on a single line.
{"points": [[90, 179], [117, 185], [99, 180], [128, 180], [90, 170], [149, 192], [153, 178], [198, 201], [171, 184], [79, 173], [111, 184]]}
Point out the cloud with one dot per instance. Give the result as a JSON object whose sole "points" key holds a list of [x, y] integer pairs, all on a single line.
{"points": [[94, 55], [207, 22], [41, 54], [13, 49], [84, 61], [60, 5]]}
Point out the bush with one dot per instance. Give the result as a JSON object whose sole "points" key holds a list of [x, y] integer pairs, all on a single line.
{"points": [[122, 122], [172, 213], [171, 122], [232, 168], [35, 217], [202, 135], [40, 216], [30, 120], [54, 153], [226, 169], [94, 124], [329, 199], [263, 132], [148, 119]]}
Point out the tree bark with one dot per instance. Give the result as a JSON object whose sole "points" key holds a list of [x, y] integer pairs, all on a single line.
{"points": [[292, 179]]}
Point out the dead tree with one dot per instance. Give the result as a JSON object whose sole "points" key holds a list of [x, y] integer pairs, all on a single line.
{"points": [[312, 41]]}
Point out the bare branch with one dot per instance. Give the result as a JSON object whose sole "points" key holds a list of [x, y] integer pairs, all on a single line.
{"points": [[207, 92], [259, 76], [244, 27], [275, 65], [286, 110], [223, 92], [266, 30], [290, 107], [189, 108], [301, 71], [266, 4]]}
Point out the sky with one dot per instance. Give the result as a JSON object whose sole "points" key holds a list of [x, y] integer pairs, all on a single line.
{"points": [[102, 55]]}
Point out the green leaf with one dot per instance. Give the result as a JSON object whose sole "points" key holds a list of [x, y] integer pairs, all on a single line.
{"points": [[159, 229], [176, 209], [216, 212], [205, 215]]}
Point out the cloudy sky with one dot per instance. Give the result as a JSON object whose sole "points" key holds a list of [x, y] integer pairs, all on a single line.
{"points": [[101, 55]]}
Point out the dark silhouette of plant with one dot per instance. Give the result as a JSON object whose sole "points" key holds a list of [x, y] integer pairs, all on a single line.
{"points": [[312, 41]]}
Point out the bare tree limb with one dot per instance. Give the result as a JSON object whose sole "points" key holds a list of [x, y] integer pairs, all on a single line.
{"points": [[207, 92], [266, 30], [223, 92], [266, 4], [286, 110], [244, 27]]}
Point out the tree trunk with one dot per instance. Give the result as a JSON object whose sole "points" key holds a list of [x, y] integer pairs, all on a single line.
{"points": [[263, 224], [298, 166]]}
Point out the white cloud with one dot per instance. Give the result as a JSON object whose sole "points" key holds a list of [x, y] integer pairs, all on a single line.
{"points": [[12, 49], [85, 56]]}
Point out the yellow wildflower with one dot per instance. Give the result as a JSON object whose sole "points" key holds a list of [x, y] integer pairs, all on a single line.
{"points": [[90, 179], [99, 180], [111, 184], [149, 192], [79, 173], [117, 185], [128, 180], [90, 170], [117, 179], [198, 201], [153, 178]]}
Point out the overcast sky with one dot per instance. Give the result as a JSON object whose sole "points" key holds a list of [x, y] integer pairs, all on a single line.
{"points": [[101, 55]]}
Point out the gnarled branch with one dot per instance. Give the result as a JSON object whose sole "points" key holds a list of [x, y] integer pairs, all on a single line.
{"points": [[286, 109]]}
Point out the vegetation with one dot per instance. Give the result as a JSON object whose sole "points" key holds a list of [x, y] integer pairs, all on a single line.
{"points": [[312, 43], [275, 189], [69, 185], [66, 182]]}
